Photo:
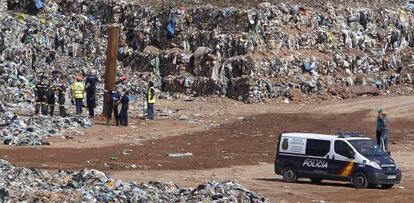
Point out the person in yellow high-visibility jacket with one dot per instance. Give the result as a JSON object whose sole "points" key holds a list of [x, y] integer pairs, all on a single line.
{"points": [[78, 92], [150, 101]]}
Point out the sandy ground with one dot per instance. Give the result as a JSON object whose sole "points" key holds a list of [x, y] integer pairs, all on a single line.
{"points": [[230, 140], [262, 179]]}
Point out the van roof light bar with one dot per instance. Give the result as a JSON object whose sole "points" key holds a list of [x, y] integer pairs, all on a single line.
{"points": [[350, 134]]}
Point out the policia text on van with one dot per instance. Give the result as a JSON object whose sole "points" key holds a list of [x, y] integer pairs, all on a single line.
{"points": [[346, 157]]}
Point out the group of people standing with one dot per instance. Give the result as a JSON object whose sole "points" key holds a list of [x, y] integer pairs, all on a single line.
{"points": [[118, 97], [78, 92], [121, 97], [118, 102], [46, 92]]}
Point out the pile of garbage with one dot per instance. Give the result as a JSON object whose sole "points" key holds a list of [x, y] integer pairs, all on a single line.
{"points": [[267, 51], [32, 130], [272, 51], [32, 185], [285, 50]]}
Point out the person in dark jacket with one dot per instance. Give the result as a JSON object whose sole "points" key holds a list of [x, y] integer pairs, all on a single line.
{"points": [[61, 89], [114, 100], [363, 19], [2, 44], [123, 114], [90, 84], [380, 126], [385, 133], [41, 91], [51, 97]]}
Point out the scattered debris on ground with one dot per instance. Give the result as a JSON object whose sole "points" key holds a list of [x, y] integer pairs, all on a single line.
{"points": [[21, 184], [180, 154], [23, 130]]}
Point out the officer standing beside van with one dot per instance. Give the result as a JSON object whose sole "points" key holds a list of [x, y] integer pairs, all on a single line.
{"points": [[380, 126], [385, 132]]}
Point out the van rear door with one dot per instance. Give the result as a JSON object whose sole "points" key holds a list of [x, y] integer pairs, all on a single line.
{"points": [[291, 152]]}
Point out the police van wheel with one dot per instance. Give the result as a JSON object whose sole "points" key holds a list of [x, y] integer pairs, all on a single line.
{"points": [[387, 186], [289, 174], [360, 180], [316, 180]]}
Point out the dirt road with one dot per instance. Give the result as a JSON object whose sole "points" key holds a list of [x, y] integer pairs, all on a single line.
{"points": [[242, 147], [262, 179]]}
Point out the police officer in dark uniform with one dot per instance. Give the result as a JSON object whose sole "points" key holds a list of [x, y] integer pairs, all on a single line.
{"points": [[61, 89], [113, 103], [90, 84], [51, 97], [41, 91], [123, 114]]}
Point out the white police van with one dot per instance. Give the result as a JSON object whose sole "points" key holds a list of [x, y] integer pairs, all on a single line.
{"points": [[344, 157]]}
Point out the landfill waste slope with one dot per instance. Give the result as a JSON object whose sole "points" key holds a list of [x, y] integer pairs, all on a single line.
{"points": [[32, 185], [35, 45], [294, 50]]}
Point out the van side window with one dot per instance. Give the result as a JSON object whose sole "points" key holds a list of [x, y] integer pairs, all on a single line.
{"points": [[317, 147], [342, 148]]}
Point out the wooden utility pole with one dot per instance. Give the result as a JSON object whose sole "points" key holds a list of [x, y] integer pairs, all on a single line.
{"points": [[111, 63]]}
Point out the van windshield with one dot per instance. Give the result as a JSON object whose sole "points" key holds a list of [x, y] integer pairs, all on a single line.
{"points": [[367, 147]]}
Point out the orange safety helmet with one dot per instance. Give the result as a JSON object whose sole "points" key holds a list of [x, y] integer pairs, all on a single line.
{"points": [[79, 78]]}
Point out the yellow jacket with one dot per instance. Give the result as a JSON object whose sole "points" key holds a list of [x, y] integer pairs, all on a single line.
{"points": [[151, 95], [78, 90]]}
